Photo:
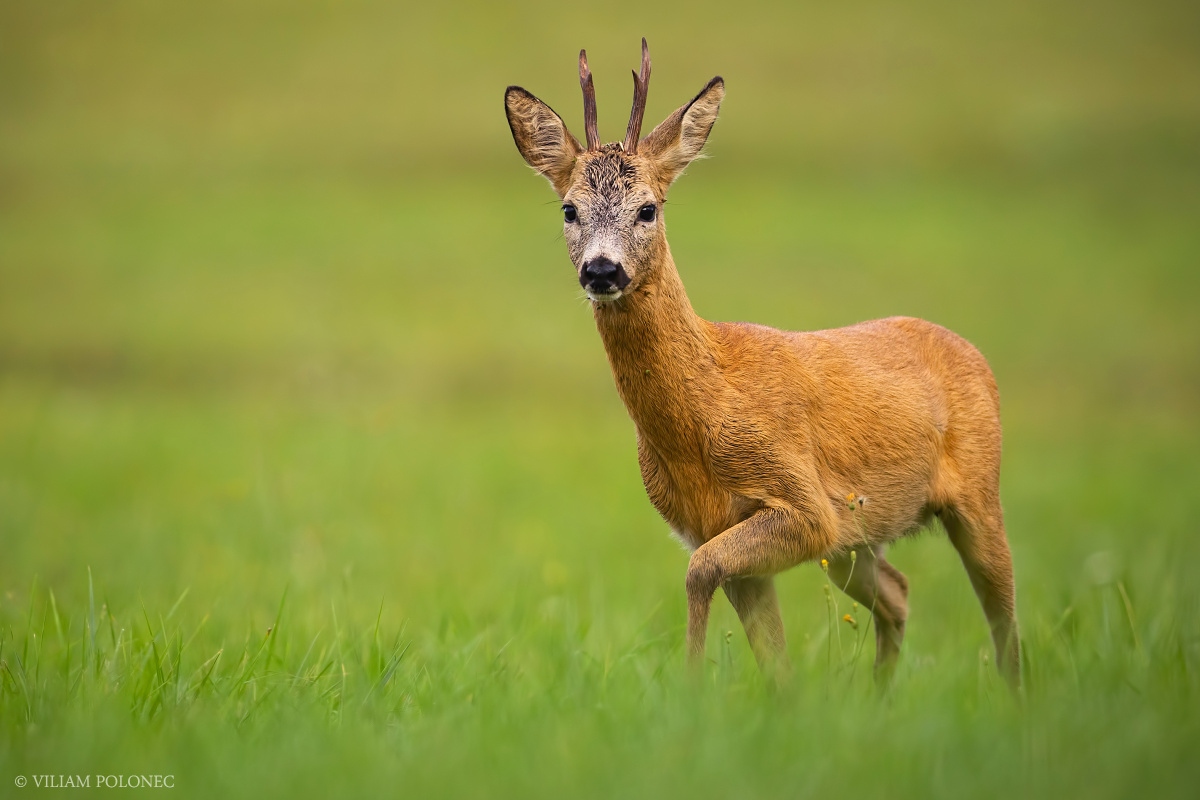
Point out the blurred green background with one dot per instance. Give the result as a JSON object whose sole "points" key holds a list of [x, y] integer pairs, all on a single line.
{"points": [[282, 310]]}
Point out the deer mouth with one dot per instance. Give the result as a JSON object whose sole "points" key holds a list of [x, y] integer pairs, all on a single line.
{"points": [[606, 296]]}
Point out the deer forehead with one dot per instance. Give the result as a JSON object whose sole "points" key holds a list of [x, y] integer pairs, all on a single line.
{"points": [[611, 178]]}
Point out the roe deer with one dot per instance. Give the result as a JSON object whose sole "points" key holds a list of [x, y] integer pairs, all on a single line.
{"points": [[762, 448]]}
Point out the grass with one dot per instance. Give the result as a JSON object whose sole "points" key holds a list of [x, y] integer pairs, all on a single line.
{"points": [[298, 498]]}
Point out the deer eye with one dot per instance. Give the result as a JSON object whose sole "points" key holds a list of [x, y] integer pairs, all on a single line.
{"points": [[646, 212], [569, 213]]}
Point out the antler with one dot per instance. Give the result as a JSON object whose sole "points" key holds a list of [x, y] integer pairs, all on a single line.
{"points": [[641, 86], [589, 103]]}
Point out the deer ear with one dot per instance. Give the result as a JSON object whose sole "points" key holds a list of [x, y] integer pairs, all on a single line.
{"points": [[680, 137], [542, 137]]}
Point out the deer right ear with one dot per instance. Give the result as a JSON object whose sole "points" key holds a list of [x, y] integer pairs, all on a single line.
{"points": [[679, 138], [542, 137]]}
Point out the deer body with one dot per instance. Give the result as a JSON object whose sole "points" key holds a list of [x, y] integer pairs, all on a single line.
{"points": [[761, 448], [760, 418]]}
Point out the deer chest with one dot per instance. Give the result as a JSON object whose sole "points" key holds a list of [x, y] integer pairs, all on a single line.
{"points": [[689, 498]]}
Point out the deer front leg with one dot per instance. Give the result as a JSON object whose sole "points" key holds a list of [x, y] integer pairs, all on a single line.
{"points": [[757, 607], [770, 541]]}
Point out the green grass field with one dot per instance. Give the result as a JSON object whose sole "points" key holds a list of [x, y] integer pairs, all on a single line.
{"points": [[296, 494]]}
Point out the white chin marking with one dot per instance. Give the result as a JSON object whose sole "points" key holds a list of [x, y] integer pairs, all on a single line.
{"points": [[615, 294]]}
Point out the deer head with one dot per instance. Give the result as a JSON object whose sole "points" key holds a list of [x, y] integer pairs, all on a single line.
{"points": [[612, 194]]}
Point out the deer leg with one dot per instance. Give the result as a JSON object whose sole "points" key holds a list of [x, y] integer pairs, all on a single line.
{"points": [[978, 536], [883, 590], [757, 607], [768, 542]]}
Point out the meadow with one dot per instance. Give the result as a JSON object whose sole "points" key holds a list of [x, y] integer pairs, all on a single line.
{"points": [[303, 414]]}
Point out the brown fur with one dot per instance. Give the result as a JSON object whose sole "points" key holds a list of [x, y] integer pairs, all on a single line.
{"points": [[763, 449]]}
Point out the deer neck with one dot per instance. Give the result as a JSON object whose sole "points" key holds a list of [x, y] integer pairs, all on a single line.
{"points": [[662, 358]]}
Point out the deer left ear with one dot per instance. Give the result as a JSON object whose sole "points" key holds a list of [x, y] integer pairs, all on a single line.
{"points": [[679, 138], [542, 137]]}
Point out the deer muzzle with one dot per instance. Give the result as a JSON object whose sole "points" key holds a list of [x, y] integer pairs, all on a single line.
{"points": [[603, 279]]}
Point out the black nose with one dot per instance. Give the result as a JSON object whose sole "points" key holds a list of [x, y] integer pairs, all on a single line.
{"points": [[602, 275], [599, 270]]}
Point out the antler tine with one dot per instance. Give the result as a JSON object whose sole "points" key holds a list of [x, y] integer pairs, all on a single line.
{"points": [[641, 87], [589, 103]]}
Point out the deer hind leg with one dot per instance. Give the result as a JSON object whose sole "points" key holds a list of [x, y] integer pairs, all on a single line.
{"points": [[977, 533], [881, 589], [757, 607]]}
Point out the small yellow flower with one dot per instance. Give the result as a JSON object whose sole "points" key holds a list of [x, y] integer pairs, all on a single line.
{"points": [[851, 620]]}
